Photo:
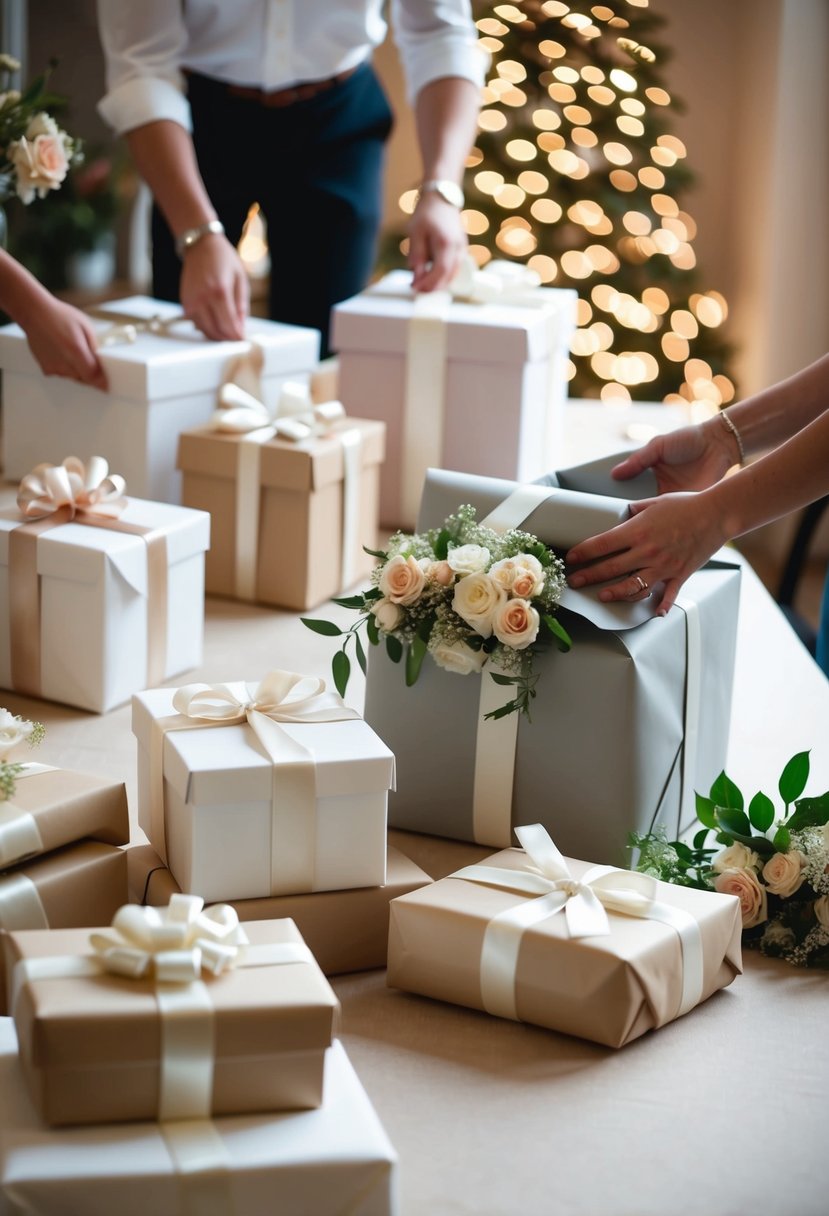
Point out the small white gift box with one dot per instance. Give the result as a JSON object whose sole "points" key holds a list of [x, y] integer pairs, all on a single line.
{"points": [[160, 384], [275, 797], [90, 613]]}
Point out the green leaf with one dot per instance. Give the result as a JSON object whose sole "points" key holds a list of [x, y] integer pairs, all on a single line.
{"points": [[809, 813], [372, 629], [414, 660], [725, 793], [348, 601], [700, 839], [499, 679], [758, 843], [373, 594], [782, 840], [705, 811], [442, 544], [341, 670], [375, 553], [424, 629], [361, 654], [565, 642], [394, 648], [682, 850], [735, 822], [327, 628], [761, 812], [511, 707], [794, 777]]}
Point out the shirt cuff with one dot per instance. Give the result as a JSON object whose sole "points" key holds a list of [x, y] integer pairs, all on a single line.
{"points": [[451, 57], [144, 99]]}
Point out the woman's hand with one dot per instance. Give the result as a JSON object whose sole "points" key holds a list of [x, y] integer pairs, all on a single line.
{"points": [[63, 341], [691, 458]]}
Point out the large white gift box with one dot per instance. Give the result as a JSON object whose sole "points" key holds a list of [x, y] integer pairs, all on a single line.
{"points": [[336, 1158], [247, 792], [163, 382], [478, 387], [90, 614]]}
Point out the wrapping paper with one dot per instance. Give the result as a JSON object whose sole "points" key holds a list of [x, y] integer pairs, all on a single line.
{"points": [[346, 930], [159, 386], [64, 806], [98, 607], [81, 884], [300, 533], [480, 388], [620, 736], [611, 989], [335, 1160], [91, 1045]]}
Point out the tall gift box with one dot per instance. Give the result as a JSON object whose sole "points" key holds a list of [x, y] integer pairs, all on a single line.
{"points": [[583, 949], [50, 807], [345, 930], [169, 1016], [624, 727], [162, 382], [289, 519], [478, 387], [248, 792], [94, 608], [333, 1159]]}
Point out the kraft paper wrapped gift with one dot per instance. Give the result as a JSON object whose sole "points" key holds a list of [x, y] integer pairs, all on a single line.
{"points": [[51, 807], [464, 385], [81, 884], [345, 930], [162, 383], [89, 614], [285, 794], [288, 519], [624, 727], [102, 1045], [587, 950], [333, 1160]]}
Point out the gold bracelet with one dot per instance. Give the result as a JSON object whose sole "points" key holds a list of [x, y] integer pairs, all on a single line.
{"points": [[193, 235], [728, 423]]}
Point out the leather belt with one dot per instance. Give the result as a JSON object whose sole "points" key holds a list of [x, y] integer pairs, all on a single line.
{"points": [[277, 98]]}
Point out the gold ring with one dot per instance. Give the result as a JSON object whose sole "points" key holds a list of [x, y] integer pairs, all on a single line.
{"points": [[643, 586]]}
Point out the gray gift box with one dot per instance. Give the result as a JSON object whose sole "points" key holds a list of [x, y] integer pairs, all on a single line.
{"points": [[624, 727]]}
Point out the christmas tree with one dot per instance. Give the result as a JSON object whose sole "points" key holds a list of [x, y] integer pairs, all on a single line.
{"points": [[576, 173]]}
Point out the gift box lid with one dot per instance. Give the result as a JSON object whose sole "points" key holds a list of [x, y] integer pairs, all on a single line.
{"points": [[302, 467], [77, 552], [157, 366], [74, 1021], [377, 320], [224, 764]]}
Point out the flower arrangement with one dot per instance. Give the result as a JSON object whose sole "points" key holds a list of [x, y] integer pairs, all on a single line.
{"points": [[466, 596], [13, 731], [777, 865], [35, 154]]}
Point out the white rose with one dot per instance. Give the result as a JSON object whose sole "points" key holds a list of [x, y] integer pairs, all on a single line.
{"points": [[13, 730], [457, 657], [822, 911], [468, 559], [783, 873], [476, 599], [387, 614], [402, 580], [752, 896], [736, 857], [516, 624], [523, 575]]}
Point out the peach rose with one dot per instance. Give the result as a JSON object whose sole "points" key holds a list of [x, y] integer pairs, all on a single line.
{"points": [[468, 559], [456, 657], [783, 873], [736, 857], [387, 614], [476, 599], [442, 573], [402, 580], [822, 911], [516, 624], [752, 896], [39, 158]]}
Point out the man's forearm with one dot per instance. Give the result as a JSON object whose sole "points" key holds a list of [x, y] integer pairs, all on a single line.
{"points": [[446, 115], [164, 156]]}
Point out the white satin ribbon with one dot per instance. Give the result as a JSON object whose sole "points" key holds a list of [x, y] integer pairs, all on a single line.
{"points": [[282, 696], [20, 904], [424, 403], [687, 812], [19, 834], [202, 1161], [551, 888]]}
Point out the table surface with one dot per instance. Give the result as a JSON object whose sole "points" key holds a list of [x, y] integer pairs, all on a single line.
{"points": [[718, 1114]]}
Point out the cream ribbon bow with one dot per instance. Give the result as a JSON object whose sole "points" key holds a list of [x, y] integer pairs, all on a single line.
{"points": [[498, 282], [77, 488], [173, 944], [295, 417], [125, 327]]}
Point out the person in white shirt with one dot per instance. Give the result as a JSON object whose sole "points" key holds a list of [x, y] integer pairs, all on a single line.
{"points": [[276, 102]]}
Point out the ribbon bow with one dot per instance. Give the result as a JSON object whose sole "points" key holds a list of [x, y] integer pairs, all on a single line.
{"points": [[295, 417], [500, 281], [72, 487], [173, 944], [282, 696], [126, 327]]}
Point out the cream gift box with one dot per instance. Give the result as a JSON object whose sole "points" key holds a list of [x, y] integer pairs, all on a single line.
{"points": [[503, 936], [160, 384], [262, 805], [330, 1160], [345, 930], [51, 807], [624, 727], [313, 511], [89, 614], [460, 385], [99, 1046], [80, 884]]}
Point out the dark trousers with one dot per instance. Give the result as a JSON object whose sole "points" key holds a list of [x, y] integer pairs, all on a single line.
{"points": [[315, 168]]}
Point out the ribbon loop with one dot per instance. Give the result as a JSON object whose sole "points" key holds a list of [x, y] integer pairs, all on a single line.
{"points": [[77, 488], [174, 944]]}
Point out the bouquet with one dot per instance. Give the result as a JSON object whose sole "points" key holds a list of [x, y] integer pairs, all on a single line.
{"points": [[13, 730], [466, 596], [35, 153], [777, 865]]}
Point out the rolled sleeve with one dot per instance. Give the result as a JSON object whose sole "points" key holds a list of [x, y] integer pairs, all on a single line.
{"points": [[143, 43], [435, 40], [144, 99]]}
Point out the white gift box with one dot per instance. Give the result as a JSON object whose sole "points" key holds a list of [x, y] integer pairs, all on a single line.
{"points": [[159, 386], [106, 625], [475, 387], [228, 830], [336, 1158]]}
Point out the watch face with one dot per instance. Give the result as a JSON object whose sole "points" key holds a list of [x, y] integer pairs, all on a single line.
{"points": [[449, 191]]}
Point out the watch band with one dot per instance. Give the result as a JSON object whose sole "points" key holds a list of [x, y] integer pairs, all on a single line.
{"points": [[448, 190], [192, 236]]}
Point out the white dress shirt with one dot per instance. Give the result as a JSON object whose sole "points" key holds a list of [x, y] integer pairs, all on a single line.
{"points": [[270, 44]]}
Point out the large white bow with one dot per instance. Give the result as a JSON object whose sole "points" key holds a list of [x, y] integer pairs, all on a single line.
{"points": [[295, 417], [83, 489], [282, 696], [498, 282]]}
